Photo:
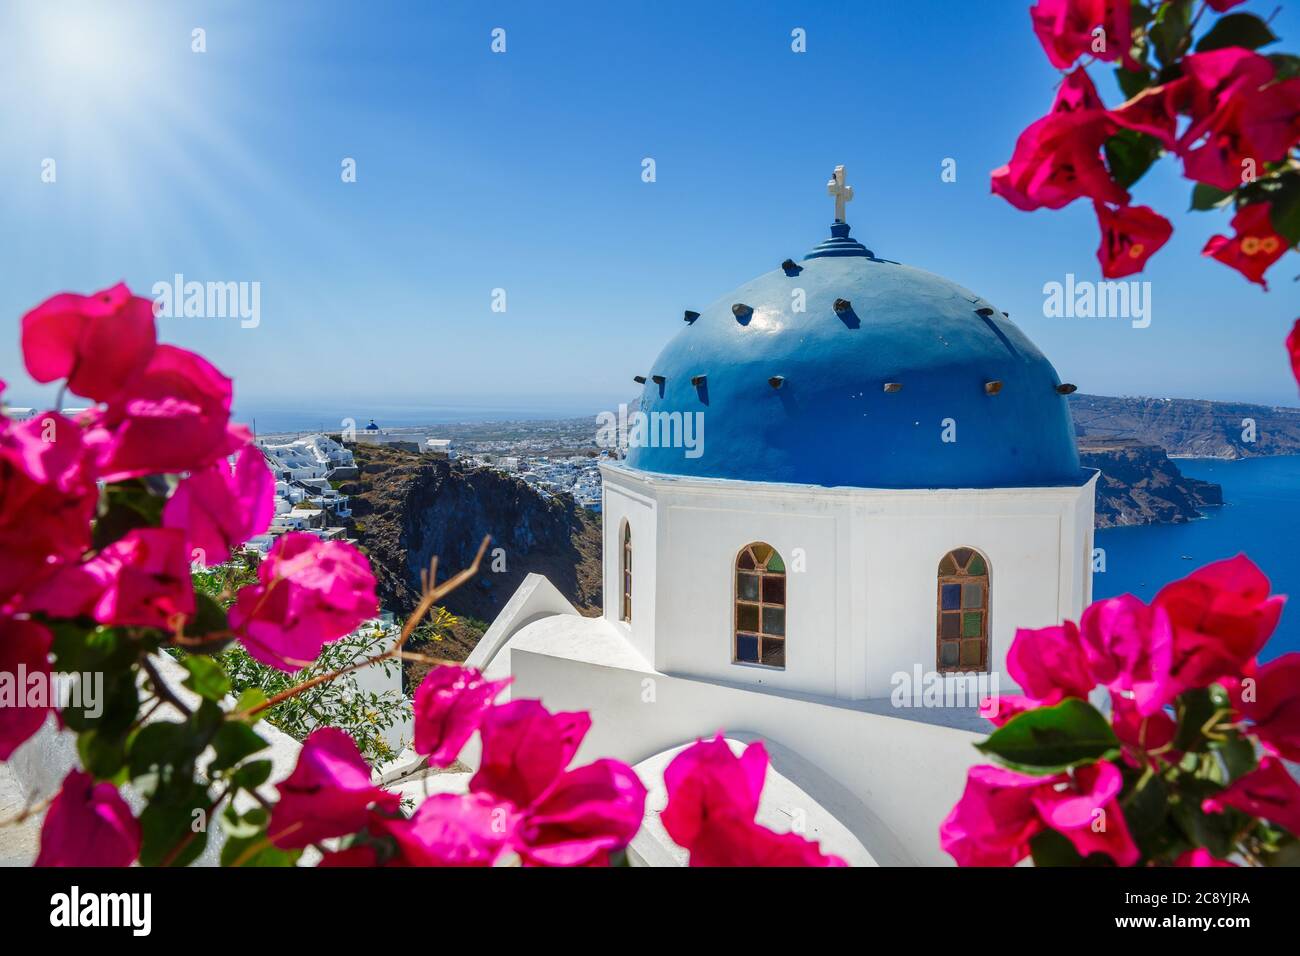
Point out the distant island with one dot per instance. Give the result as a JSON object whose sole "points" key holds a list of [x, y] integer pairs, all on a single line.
{"points": [[1132, 441], [1190, 428]]}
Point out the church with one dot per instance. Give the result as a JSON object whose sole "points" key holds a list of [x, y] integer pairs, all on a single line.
{"points": [[883, 485]]}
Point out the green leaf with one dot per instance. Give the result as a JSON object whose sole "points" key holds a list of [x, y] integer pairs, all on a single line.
{"points": [[1050, 848], [102, 755], [1214, 831], [1284, 208], [241, 826], [1236, 29], [1052, 739], [1129, 154], [1195, 708], [251, 775], [1132, 82], [1205, 196], [247, 843], [234, 741], [1285, 65], [250, 698], [257, 851], [209, 618], [160, 744], [1237, 753], [124, 506], [176, 813], [207, 677], [1171, 32]]}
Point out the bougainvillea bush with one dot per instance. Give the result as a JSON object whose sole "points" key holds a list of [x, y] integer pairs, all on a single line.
{"points": [[1181, 760], [103, 519], [1197, 81]]}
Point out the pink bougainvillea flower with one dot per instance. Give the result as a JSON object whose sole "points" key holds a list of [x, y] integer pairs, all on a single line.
{"points": [[1241, 119], [88, 824], [174, 416], [706, 779], [1084, 808], [308, 592], [1200, 857], [564, 817], [994, 820], [97, 342], [1049, 664], [1270, 699], [1142, 732], [453, 829], [219, 510], [525, 750], [1130, 236], [328, 794], [450, 703], [140, 580], [1069, 29], [730, 841], [1129, 646], [524, 804], [1293, 350], [1221, 615], [1057, 159], [591, 812], [47, 500], [1002, 707], [712, 801], [1154, 111], [1001, 811], [1268, 791], [24, 652], [1254, 248]]}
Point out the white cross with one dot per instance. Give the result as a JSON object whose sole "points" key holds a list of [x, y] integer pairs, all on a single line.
{"points": [[841, 192]]}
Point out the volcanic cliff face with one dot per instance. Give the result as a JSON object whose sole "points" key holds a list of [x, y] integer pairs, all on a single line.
{"points": [[1140, 485], [1187, 428], [409, 507]]}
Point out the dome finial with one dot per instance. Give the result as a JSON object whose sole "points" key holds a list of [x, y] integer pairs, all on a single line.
{"points": [[841, 192]]}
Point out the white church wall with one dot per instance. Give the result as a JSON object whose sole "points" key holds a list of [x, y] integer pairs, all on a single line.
{"points": [[861, 572], [624, 502], [907, 773]]}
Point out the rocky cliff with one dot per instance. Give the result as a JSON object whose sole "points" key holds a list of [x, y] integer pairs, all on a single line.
{"points": [[1140, 485], [407, 508], [1187, 428]]}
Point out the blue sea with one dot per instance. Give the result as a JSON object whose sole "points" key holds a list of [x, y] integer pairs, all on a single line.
{"points": [[1260, 517]]}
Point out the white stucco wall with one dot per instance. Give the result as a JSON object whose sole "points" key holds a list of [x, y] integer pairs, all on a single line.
{"points": [[626, 503], [861, 571], [904, 775]]}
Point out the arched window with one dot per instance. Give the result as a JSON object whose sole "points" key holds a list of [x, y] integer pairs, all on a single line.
{"points": [[963, 627], [760, 606], [627, 572]]}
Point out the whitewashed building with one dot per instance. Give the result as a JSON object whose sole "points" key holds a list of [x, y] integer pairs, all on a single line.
{"points": [[853, 480]]}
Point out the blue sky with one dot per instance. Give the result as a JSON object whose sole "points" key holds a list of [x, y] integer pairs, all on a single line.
{"points": [[522, 171]]}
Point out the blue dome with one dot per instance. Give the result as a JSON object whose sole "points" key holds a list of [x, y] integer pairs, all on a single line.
{"points": [[855, 389]]}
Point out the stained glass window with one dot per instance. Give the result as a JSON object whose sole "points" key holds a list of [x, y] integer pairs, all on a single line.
{"points": [[760, 606], [963, 599], [627, 572]]}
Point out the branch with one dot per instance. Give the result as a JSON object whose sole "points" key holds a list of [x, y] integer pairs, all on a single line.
{"points": [[161, 689]]}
